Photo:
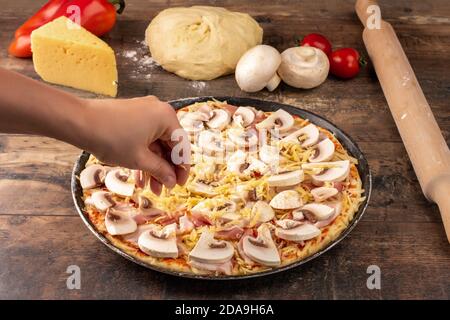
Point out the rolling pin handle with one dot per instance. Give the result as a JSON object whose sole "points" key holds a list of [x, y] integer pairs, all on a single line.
{"points": [[440, 194]]}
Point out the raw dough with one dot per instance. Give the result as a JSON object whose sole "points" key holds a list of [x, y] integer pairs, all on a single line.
{"points": [[200, 42]]}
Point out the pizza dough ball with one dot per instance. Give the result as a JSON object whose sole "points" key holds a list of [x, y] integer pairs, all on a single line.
{"points": [[200, 42]]}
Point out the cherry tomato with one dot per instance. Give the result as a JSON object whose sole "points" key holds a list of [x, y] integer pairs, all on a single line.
{"points": [[345, 63], [318, 41]]}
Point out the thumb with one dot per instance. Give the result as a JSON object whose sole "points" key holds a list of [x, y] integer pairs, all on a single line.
{"points": [[158, 167]]}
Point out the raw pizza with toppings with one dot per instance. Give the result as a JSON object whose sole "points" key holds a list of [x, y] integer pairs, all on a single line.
{"points": [[266, 189]]}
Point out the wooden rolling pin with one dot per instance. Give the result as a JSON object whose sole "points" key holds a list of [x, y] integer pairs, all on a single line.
{"points": [[426, 147]]}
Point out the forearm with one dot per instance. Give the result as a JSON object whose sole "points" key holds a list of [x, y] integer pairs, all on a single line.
{"points": [[28, 106]]}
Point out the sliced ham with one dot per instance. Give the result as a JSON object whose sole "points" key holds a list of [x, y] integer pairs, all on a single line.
{"points": [[199, 220], [247, 260], [148, 215], [185, 225], [230, 108], [225, 268], [231, 233], [339, 186]]}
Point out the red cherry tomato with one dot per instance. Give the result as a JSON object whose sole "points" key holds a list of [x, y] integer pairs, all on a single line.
{"points": [[345, 63], [318, 41]]}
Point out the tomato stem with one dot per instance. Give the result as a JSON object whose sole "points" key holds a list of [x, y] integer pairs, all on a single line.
{"points": [[362, 62], [119, 4]]}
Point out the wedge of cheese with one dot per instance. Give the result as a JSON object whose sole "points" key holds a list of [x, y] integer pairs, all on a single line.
{"points": [[67, 54]]}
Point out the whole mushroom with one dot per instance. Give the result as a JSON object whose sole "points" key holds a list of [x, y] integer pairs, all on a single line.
{"points": [[257, 69], [303, 67]]}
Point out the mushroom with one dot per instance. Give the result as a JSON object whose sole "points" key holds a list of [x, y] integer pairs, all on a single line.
{"points": [[323, 151], [280, 120], [118, 223], [256, 165], [297, 214], [92, 176], [269, 154], [210, 250], [159, 242], [219, 119], [337, 205], [240, 192], [243, 117], [261, 249], [211, 142], [242, 137], [263, 211], [204, 170], [316, 211], [102, 200], [202, 189], [304, 67], [306, 136], [322, 193], [289, 199], [296, 231], [185, 225], [288, 223], [257, 68], [192, 122], [236, 161], [230, 216], [329, 171], [286, 179], [116, 182]]}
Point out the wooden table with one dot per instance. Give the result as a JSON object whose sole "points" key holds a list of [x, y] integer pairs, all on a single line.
{"points": [[41, 233]]}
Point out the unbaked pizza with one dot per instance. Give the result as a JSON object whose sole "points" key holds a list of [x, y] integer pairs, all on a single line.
{"points": [[266, 189]]}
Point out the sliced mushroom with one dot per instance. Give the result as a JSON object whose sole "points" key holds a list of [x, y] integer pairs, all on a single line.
{"points": [[243, 138], [92, 176], [337, 205], [261, 249], [219, 120], [243, 116], [288, 224], [323, 193], [185, 225], [289, 199], [323, 151], [116, 182], [210, 250], [211, 141], [117, 222], [286, 179], [255, 165], [257, 68], [192, 122], [297, 214], [329, 171], [159, 242], [316, 211], [280, 120], [263, 211], [269, 154], [102, 200], [202, 189], [236, 161], [203, 170], [230, 216], [302, 232], [240, 192], [306, 136]]}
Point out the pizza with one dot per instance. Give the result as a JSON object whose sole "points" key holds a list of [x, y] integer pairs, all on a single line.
{"points": [[265, 190]]}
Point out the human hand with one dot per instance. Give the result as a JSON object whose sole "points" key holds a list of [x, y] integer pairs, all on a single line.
{"points": [[136, 134]]}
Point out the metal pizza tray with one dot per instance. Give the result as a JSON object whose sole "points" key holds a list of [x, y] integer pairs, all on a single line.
{"points": [[345, 140]]}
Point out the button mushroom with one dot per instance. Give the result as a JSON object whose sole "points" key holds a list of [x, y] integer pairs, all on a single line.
{"points": [[192, 122], [263, 211], [92, 176], [304, 67], [116, 182], [243, 138], [322, 193], [257, 68], [269, 154], [329, 171], [316, 211], [289, 199], [219, 119], [102, 200], [202, 189], [185, 225], [261, 249], [306, 136], [286, 179], [210, 250], [280, 120], [236, 161], [118, 223], [255, 165], [159, 242], [323, 151], [243, 117], [296, 231]]}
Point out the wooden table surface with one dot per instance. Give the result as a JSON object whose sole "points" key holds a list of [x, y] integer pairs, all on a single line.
{"points": [[41, 233]]}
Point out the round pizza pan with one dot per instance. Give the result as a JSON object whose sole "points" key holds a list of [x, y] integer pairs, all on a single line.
{"points": [[345, 140]]}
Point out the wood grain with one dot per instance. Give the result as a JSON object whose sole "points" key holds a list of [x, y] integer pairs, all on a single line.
{"points": [[401, 232]]}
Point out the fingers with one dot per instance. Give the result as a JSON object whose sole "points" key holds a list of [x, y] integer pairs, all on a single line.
{"points": [[158, 167], [155, 186]]}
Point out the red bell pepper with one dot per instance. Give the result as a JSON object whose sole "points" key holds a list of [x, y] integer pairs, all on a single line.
{"points": [[97, 16]]}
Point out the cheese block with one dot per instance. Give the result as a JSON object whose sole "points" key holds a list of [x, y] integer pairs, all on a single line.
{"points": [[67, 54]]}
